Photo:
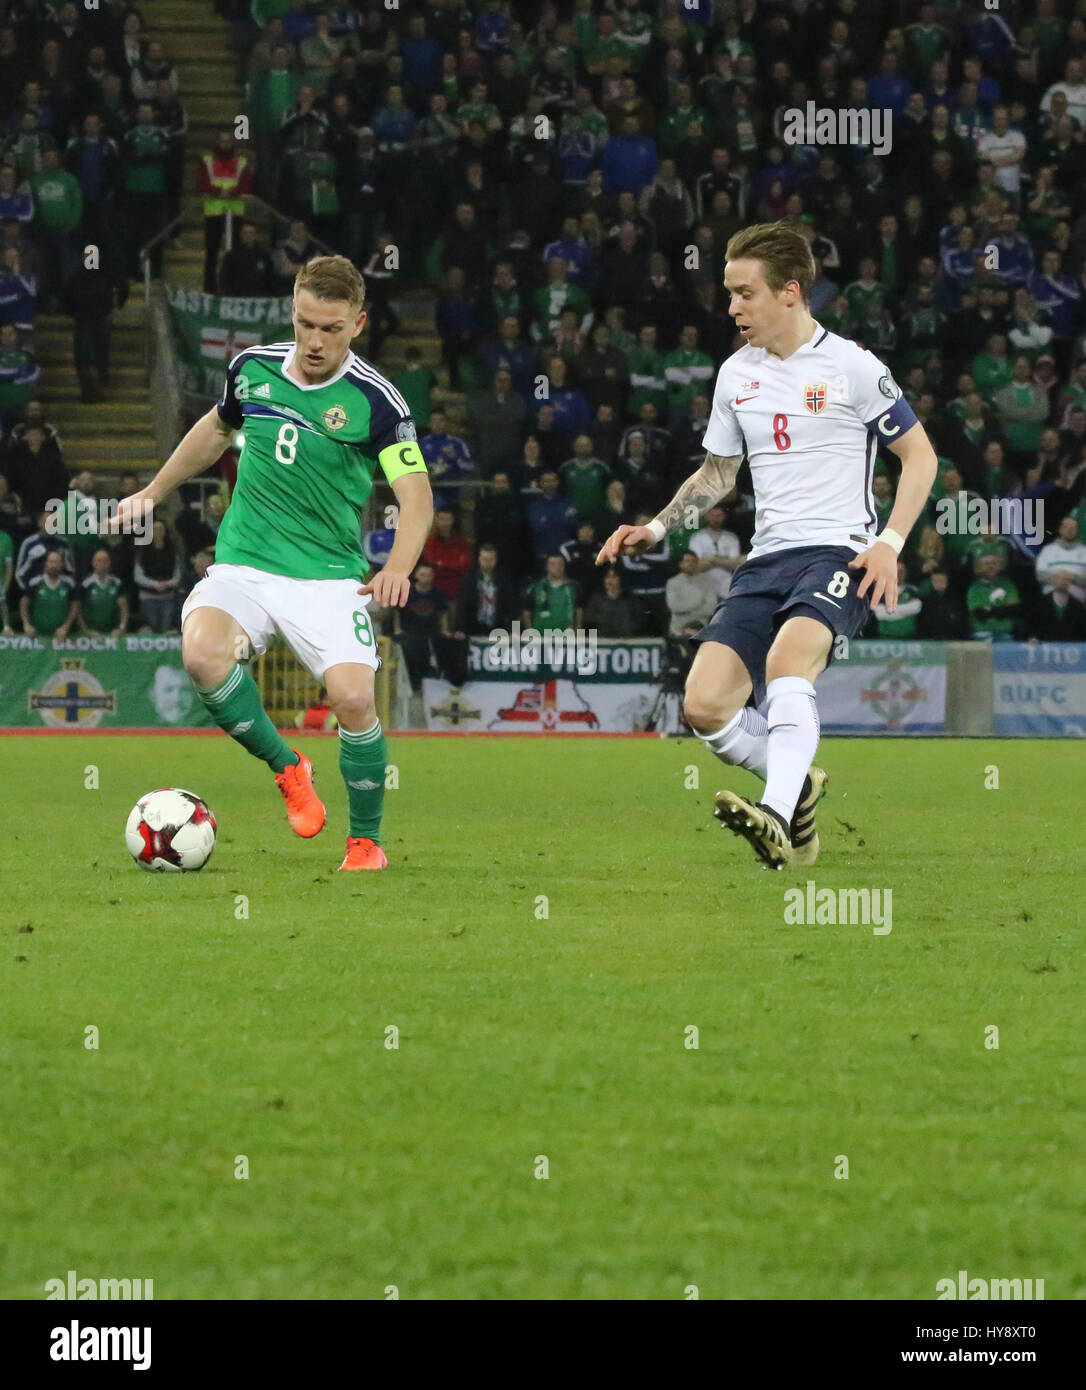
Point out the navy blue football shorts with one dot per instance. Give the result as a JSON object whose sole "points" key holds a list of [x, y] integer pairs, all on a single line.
{"points": [[812, 581]]}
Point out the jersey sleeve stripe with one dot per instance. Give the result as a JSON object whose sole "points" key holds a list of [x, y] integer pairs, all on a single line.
{"points": [[367, 374], [272, 354]]}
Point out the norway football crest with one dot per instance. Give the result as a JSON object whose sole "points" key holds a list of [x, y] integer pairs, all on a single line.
{"points": [[814, 397], [335, 417]]}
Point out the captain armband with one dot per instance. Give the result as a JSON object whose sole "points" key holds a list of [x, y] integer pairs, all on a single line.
{"points": [[401, 458]]}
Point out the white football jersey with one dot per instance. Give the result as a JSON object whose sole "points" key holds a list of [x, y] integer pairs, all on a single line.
{"points": [[809, 425]]}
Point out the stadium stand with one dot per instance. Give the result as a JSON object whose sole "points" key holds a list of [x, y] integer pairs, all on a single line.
{"points": [[543, 191]]}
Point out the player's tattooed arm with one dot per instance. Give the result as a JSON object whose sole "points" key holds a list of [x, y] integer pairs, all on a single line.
{"points": [[713, 480]]}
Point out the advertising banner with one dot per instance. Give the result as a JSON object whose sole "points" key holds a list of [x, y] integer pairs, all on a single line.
{"points": [[90, 683], [881, 688], [1039, 689], [885, 688], [525, 687]]}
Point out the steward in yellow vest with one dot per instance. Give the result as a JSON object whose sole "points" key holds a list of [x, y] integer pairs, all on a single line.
{"points": [[224, 178]]}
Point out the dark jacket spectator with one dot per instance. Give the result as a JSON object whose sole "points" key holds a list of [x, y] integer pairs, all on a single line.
{"points": [[36, 471], [464, 246], [498, 417], [602, 372], [1058, 617], [247, 269], [580, 557], [500, 521], [611, 612], [942, 615], [486, 599]]}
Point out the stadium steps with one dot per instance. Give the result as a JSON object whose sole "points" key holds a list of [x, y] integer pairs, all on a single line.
{"points": [[196, 39], [116, 434]]}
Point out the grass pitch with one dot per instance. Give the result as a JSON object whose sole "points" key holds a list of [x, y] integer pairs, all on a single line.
{"points": [[524, 1036]]}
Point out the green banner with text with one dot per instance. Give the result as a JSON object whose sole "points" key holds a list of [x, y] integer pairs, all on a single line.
{"points": [[211, 329], [135, 682]]}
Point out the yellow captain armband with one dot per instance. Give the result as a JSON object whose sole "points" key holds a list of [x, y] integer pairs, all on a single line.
{"points": [[401, 458]]}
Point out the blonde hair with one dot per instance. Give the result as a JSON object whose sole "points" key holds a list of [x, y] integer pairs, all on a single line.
{"points": [[783, 251], [332, 277]]}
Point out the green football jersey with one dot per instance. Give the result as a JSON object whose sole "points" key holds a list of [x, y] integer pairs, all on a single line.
{"points": [[100, 602], [988, 596], [554, 605], [307, 465], [49, 603]]}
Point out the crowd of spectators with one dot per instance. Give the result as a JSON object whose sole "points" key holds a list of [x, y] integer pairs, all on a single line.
{"points": [[63, 573], [91, 156], [92, 149], [571, 174]]}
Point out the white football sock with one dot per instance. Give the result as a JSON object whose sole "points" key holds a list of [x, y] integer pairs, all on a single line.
{"points": [[793, 741], [743, 741]]}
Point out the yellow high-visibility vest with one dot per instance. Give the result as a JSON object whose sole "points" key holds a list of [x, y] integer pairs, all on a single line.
{"points": [[218, 205]]}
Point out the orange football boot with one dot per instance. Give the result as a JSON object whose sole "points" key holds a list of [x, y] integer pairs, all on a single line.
{"points": [[363, 854], [305, 810]]}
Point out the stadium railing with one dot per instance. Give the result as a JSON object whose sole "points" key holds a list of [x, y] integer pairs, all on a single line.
{"points": [[164, 374], [287, 688], [145, 254]]}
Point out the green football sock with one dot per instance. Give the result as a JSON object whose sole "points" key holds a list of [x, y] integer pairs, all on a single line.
{"points": [[238, 710], [362, 762]]}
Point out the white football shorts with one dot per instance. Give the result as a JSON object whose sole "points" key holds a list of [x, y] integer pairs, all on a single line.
{"points": [[323, 621]]}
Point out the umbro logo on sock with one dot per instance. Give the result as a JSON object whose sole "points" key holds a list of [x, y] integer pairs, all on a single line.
{"points": [[243, 727], [365, 785]]}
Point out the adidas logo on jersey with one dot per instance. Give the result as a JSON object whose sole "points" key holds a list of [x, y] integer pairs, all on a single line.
{"points": [[365, 785], [264, 389], [242, 728]]}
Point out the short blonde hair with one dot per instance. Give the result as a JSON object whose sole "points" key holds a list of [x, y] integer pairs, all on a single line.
{"points": [[783, 251], [332, 277]]}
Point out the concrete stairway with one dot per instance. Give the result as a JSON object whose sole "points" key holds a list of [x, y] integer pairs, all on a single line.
{"points": [[117, 435], [196, 40]]}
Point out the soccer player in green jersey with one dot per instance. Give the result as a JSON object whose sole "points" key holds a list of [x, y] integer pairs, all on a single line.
{"points": [[317, 421]]}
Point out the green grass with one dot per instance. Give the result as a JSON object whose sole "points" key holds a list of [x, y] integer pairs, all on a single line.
{"points": [[561, 1037]]}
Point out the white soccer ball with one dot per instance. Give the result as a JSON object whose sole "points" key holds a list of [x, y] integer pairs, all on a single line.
{"points": [[170, 831]]}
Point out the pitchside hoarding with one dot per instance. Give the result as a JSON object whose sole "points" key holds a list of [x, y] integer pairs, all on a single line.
{"points": [[882, 688], [132, 682], [1039, 689]]}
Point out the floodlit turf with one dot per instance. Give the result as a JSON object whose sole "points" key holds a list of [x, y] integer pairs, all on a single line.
{"points": [[522, 1036]]}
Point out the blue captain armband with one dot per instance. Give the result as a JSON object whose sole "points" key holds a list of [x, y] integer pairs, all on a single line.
{"points": [[893, 423]]}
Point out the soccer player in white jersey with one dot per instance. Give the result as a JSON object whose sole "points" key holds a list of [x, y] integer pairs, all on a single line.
{"points": [[807, 409]]}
